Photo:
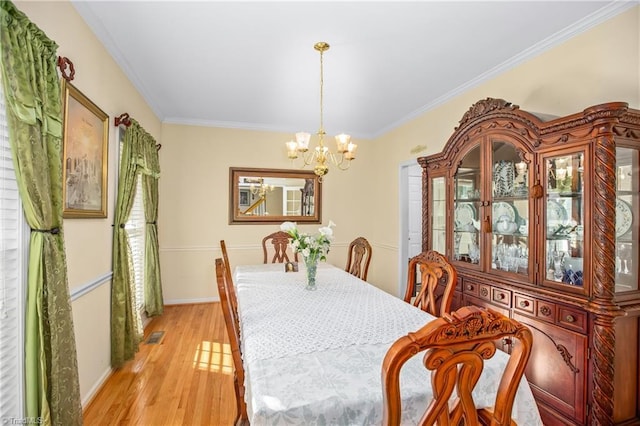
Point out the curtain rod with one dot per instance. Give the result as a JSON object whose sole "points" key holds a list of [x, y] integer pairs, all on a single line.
{"points": [[63, 62], [125, 120]]}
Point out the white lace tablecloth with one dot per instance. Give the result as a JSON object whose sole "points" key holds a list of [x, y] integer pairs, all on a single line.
{"points": [[343, 311], [315, 357]]}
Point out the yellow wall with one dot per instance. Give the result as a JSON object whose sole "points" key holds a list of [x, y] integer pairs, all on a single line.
{"points": [[600, 65], [194, 206]]}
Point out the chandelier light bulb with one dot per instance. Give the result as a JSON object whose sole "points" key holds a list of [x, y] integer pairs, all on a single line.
{"points": [[303, 139], [342, 142], [292, 150]]}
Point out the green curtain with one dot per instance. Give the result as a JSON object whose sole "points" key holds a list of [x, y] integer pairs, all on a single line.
{"points": [[139, 160], [34, 115], [126, 330], [153, 300]]}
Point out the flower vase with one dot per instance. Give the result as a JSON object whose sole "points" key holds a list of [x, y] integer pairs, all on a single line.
{"points": [[312, 267]]}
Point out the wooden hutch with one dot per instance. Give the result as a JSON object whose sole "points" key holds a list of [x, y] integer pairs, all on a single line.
{"points": [[541, 217]]}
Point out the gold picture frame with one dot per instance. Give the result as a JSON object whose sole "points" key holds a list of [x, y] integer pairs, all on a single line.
{"points": [[85, 154]]}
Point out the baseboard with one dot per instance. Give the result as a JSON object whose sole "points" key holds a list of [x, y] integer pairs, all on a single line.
{"points": [[96, 387]]}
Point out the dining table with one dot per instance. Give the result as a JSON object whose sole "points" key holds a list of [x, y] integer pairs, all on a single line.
{"points": [[315, 357]]}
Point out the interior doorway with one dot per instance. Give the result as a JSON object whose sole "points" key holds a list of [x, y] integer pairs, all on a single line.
{"points": [[410, 202]]}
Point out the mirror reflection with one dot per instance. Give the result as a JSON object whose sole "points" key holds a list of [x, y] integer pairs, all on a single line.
{"points": [[273, 195]]}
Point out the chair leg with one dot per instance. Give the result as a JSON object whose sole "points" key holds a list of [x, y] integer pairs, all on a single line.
{"points": [[241, 407]]}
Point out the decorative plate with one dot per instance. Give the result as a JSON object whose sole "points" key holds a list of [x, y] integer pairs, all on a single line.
{"points": [[556, 213], [500, 208], [624, 217], [464, 215], [503, 177]]}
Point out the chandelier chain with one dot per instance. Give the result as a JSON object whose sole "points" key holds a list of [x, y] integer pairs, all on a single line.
{"points": [[321, 131]]}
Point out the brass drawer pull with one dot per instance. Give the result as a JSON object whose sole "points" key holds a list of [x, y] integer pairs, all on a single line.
{"points": [[524, 303], [500, 296], [570, 318], [469, 287], [484, 292]]}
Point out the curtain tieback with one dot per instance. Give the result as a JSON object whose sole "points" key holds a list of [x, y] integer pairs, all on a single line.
{"points": [[152, 223], [53, 231], [121, 226]]}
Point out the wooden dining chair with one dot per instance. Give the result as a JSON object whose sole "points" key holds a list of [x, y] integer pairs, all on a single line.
{"points": [[232, 323], [279, 243], [434, 268], [456, 346], [232, 292], [359, 258]]}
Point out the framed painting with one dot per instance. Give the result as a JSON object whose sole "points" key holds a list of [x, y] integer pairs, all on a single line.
{"points": [[85, 153]]}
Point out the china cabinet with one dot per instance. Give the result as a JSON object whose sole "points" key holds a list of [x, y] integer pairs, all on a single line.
{"points": [[540, 217]]}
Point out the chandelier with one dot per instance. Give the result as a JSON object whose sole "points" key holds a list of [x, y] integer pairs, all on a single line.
{"points": [[320, 156]]}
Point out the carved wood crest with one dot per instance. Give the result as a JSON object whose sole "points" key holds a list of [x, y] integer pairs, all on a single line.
{"points": [[468, 323], [485, 106]]}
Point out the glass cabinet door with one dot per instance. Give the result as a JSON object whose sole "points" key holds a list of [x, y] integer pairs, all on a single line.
{"points": [[564, 219], [627, 208], [509, 210], [466, 205], [439, 214]]}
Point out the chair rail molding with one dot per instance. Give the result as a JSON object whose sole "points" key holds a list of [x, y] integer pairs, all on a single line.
{"points": [[88, 287]]}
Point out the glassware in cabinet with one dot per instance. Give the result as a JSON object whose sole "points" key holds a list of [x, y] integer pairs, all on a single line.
{"points": [[564, 219], [466, 209], [627, 208], [509, 209]]}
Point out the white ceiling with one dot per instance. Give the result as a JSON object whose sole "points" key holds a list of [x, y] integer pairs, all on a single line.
{"points": [[252, 65]]}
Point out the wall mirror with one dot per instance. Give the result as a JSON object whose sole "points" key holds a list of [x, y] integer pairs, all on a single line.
{"points": [[274, 195]]}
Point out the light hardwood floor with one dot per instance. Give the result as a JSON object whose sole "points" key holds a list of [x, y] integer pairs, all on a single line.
{"points": [[185, 380]]}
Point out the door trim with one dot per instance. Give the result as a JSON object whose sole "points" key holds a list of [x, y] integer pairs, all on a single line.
{"points": [[403, 216]]}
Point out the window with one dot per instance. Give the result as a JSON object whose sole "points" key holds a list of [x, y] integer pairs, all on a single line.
{"points": [[135, 228], [293, 201], [13, 261]]}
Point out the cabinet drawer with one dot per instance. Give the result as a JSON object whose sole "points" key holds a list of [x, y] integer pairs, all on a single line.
{"points": [[471, 288], [572, 318], [524, 303], [501, 296], [484, 292], [546, 311]]}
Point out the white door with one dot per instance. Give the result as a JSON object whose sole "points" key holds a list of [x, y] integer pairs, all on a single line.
{"points": [[410, 218]]}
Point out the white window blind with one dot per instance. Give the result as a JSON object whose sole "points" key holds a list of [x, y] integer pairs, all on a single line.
{"points": [[13, 247], [136, 231], [135, 228]]}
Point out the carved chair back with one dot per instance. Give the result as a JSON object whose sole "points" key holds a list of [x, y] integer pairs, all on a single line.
{"points": [[434, 268], [278, 242], [456, 346], [359, 258], [232, 323]]}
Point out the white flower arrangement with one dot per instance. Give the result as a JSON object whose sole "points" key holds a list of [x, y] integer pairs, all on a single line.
{"points": [[312, 247]]}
